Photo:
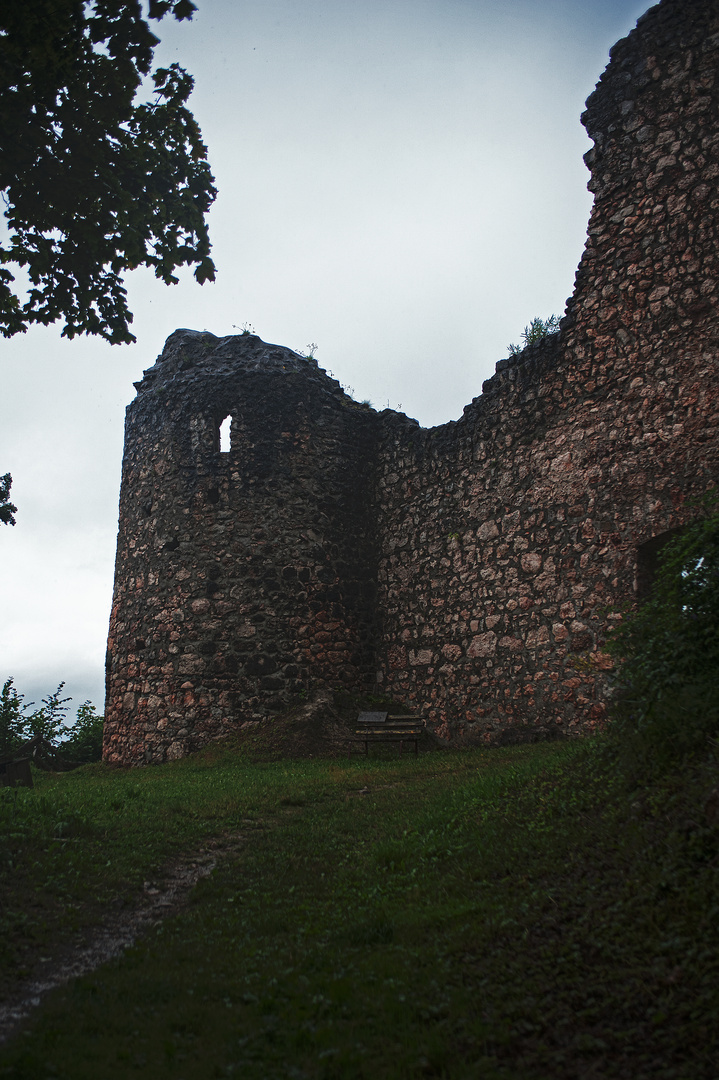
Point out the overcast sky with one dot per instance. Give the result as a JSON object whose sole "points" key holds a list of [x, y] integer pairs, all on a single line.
{"points": [[400, 182]]}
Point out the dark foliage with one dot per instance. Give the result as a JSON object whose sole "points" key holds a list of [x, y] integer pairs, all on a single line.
{"points": [[94, 184], [85, 740], [49, 720], [79, 741], [7, 509], [667, 707], [12, 718]]}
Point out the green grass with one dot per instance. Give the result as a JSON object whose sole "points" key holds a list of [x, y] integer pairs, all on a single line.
{"points": [[505, 914]]}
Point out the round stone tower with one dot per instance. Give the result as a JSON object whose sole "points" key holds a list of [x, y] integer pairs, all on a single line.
{"points": [[245, 575]]}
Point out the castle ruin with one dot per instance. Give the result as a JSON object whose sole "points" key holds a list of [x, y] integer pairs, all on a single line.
{"points": [[471, 570]]}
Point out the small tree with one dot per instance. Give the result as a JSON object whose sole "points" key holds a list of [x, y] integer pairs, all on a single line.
{"points": [[84, 742], [7, 510], [12, 717], [537, 330], [49, 720], [81, 740]]}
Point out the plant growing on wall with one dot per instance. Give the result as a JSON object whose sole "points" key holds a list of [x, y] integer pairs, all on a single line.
{"points": [[537, 330]]}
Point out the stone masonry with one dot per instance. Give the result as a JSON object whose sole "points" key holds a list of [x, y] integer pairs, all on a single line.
{"points": [[471, 570]]}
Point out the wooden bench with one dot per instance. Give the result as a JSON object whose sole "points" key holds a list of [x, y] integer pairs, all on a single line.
{"points": [[379, 727]]}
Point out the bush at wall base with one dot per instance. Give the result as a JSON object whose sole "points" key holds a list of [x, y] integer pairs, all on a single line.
{"points": [[667, 704]]}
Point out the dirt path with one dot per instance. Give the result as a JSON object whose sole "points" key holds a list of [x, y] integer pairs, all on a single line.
{"points": [[118, 932]]}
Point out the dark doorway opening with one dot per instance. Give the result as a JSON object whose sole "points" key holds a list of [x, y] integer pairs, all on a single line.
{"points": [[648, 555]]}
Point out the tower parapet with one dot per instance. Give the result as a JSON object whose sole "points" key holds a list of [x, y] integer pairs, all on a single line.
{"points": [[244, 577]]}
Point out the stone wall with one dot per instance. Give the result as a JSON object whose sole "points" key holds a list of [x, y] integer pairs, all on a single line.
{"points": [[518, 526], [242, 577], [471, 569]]}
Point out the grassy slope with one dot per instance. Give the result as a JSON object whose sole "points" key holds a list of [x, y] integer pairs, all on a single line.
{"points": [[479, 914]]}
